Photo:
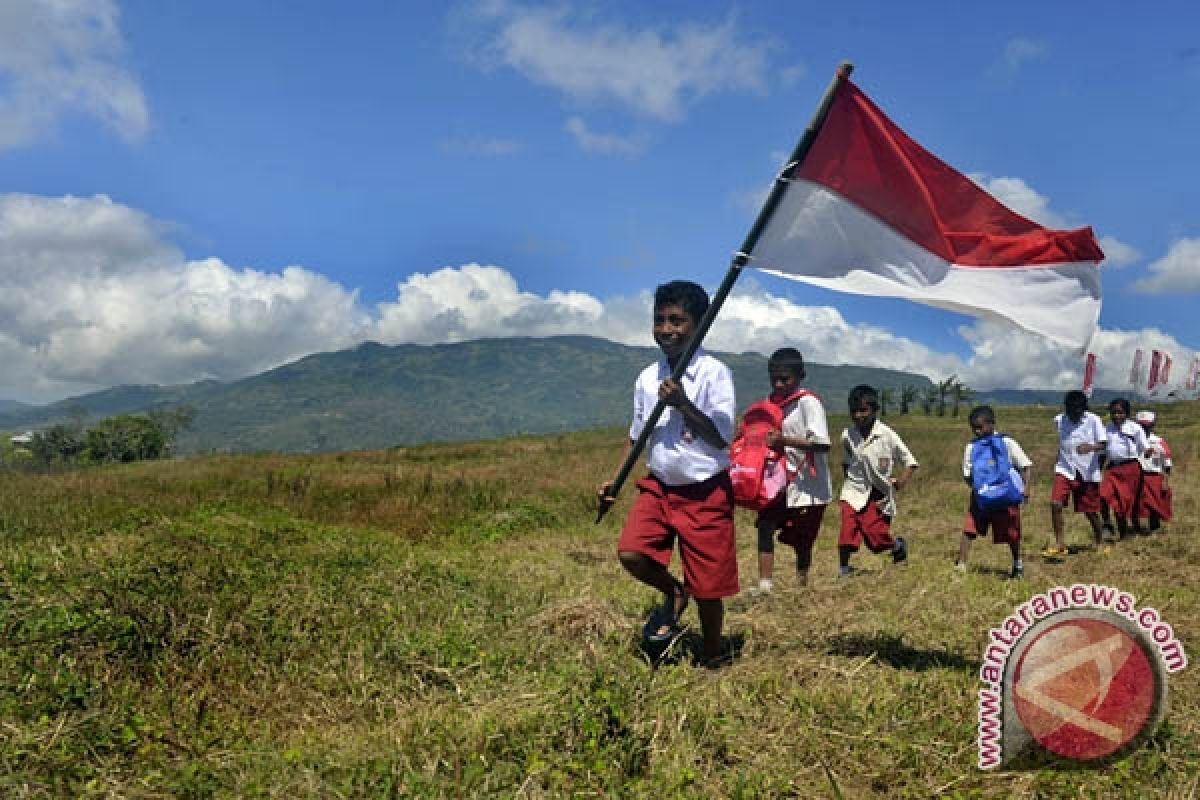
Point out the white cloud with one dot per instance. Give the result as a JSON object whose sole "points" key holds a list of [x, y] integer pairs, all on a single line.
{"points": [[1117, 253], [64, 57], [93, 294], [654, 72], [1177, 271], [605, 143], [1020, 51]]}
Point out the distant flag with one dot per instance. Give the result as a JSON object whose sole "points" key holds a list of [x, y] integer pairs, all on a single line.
{"points": [[1155, 364], [1164, 374], [1089, 373], [1136, 369], [869, 211], [1193, 373]]}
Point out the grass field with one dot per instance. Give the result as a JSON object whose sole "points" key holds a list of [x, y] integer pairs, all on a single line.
{"points": [[447, 621]]}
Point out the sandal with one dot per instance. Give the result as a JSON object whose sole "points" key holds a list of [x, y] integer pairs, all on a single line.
{"points": [[663, 623]]}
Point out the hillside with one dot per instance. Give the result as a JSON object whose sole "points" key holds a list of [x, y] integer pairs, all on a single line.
{"points": [[376, 396], [446, 621]]}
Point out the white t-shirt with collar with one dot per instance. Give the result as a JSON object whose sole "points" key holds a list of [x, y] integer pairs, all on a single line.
{"points": [[1126, 442], [1089, 430], [870, 462], [812, 485], [674, 454]]}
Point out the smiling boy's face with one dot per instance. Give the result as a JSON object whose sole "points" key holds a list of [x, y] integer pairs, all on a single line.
{"points": [[673, 327]]}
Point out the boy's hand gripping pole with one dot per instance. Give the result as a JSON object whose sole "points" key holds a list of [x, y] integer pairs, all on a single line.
{"points": [[740, 259]]}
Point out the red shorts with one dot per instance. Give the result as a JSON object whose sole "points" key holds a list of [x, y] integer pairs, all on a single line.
{"points": [[1085, 495], [700, 516], [870, 525], [1005, 523], [797, 526], [1155, 498], [1121, 485]]}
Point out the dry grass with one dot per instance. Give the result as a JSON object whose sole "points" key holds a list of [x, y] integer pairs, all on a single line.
{"points": [[446, 621]]}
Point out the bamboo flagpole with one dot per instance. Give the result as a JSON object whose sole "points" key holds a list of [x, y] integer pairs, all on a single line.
{"points": [[740, 259]]}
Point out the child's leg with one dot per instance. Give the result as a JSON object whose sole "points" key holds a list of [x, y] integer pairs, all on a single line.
{"points": [[844, 552], [1056, 520], [964, 545], [712, 617], [1099, 528], [766, 551]]}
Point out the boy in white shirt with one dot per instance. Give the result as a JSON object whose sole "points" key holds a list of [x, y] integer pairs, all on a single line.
{"points": [[804, 438], [871, 451], [1005, 523], [1081, 439], [687, 497]]}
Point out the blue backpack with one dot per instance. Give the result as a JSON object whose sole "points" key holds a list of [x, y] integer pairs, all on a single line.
{"points": [[996, 482]]}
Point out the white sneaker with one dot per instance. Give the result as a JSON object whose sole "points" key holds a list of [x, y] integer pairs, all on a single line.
{"points": [[960, 566], [765, 585]]}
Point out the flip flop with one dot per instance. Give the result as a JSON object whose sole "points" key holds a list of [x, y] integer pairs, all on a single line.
{"points": [[665, 617]]}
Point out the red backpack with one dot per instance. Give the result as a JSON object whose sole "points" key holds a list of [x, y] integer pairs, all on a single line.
{"points": [[759, 473]]}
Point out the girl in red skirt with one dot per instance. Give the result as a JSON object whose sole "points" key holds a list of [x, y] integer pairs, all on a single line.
{"points": [[1154, 502], [1122, 481]]}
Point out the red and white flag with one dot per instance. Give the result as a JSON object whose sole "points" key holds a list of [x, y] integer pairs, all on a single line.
{"points": [[1195, 371], [1136, 369], [1089, 373], [1164, 374], [870, 211], [1155, 364]]}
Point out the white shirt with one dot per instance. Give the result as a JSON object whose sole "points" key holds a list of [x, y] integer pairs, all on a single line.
{"points": [[675, 454], [1158, 460], [812, 484], [1088, 430], [1016, 456], [869, 464], [1127, 442]]}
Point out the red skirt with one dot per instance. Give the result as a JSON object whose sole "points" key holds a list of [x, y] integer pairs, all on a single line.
{"points": [[1120, 487], [1154, 497]]}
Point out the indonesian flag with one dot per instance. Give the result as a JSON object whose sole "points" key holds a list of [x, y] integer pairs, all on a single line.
{"points": [[870, 211], [1164, 374], [1089, 373], [1136, 369], [1195, 370], [1155, 363]]}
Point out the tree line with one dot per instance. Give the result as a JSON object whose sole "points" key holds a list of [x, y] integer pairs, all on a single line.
{"points": [[122, 438], [950, 393]]}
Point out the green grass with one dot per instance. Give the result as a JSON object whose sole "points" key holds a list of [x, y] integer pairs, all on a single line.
{"points": [[447, 621]]}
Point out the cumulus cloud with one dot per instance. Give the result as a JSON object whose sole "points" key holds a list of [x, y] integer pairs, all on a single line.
{"points": [[1177, 271], [657, 73], [64, 57], [94, 294]]}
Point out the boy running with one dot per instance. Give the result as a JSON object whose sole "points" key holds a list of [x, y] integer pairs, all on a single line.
{"points": [[1081, 438], [687, 496], [804, 440], [1006, 522], [870, 453]]}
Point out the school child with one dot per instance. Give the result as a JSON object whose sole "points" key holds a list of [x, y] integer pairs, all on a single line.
{"points": [[1154, 501], [1121, 484], [687, 497], [1081, 439], [871, 452], [804, 440], [1005, 523]]}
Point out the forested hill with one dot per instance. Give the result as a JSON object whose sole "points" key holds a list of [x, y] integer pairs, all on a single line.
{"points": [[377, 396]]}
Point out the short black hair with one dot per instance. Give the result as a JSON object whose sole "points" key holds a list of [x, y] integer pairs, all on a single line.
{"points": [[1075, 399], [689, 296], [863, 394], [788, 359], [984, 413], [1121, 403]]}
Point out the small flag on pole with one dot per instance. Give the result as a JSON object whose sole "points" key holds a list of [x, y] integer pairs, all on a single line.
{"points": [[1164, 374], [1089, 373], [870, 211], [1193, 373], [1136, 370], [1155, 365]]}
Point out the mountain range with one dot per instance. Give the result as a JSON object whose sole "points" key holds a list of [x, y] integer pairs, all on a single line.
{"points": [[375, 396]]}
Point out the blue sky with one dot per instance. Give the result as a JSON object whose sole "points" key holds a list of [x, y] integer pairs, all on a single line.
{"points": [[205, 190]]}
